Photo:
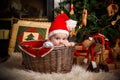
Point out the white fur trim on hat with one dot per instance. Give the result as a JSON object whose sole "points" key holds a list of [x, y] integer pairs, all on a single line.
{"points": [[71, 24], [58, 31]]}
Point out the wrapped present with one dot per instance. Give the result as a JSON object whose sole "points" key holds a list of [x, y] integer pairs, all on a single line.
{"points": [[80, 50], [118, 65], [112, 66]]}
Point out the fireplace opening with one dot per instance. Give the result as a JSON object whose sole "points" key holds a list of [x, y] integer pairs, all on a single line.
{"points": [[27, 9]]}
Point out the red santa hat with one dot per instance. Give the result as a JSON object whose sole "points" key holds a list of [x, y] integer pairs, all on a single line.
{"points": [[61, 24]]}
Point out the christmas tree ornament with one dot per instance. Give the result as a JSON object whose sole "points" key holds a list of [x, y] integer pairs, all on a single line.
{"points": [[72, 33], [71, 9], [116, 49], [84, 17], [114, 21], [112, 9], [72, 16], [62, 11]]}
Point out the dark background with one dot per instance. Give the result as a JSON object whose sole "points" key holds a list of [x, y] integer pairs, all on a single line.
{"points": [[21, 9], [27, 9]]}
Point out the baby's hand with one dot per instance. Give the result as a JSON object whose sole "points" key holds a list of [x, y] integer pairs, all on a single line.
{"points": [[72, 43], [48, 44], [67, 44]]}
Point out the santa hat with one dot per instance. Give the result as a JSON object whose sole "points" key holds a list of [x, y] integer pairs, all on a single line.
{"points": [[61, 24]]}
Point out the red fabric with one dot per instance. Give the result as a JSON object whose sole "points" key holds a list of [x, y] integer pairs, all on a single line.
{"points": [[79, 53], [91, 52], [81, 44], [59, 23], [97, 36], [29, 47], [84, 48], [107, 45], [109, 61], [76, 53]]}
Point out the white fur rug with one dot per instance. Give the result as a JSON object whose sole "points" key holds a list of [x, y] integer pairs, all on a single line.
{"points": [[12, 70]]}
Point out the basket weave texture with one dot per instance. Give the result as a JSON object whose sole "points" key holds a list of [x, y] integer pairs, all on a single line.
{"points": [[59, 60]]}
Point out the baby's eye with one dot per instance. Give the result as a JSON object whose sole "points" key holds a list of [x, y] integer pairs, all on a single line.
{"points": [[57, 38], [64, 38]]}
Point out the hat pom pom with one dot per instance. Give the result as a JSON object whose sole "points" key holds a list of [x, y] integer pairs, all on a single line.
{"points": [[71, 24]]}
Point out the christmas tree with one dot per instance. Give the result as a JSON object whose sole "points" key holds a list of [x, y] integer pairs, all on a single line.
{"points": [[93, 17], [30, 37]]}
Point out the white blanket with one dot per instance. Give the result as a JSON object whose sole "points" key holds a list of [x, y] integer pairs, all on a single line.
{"points": [[12, 70]]}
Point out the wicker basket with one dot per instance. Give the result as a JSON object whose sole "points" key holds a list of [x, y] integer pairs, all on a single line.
{"points": [[60, 59]]}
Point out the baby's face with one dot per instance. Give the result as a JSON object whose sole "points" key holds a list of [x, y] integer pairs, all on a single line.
{"points": [[59, 39]]}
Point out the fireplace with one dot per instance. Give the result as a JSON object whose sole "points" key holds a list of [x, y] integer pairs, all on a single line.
{"points": [[27, 9]]}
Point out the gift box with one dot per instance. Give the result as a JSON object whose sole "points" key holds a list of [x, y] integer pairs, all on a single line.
{"points": [[112, 66], [118, 65]]}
